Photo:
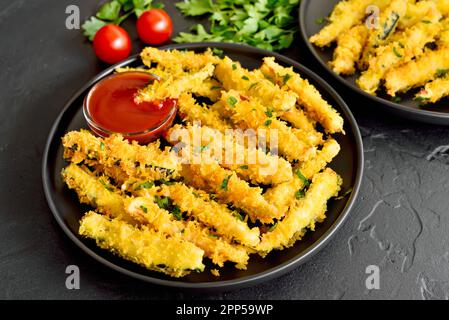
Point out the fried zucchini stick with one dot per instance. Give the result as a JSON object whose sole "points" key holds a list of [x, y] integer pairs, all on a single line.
{"points": [[145, 210], [350, 45], [400, 52], [418, 72], [141, 162], [434, 90], [231, 189], [173, 87], [282, 195], [250, 114], [96, 192], [345, 15], [190, 111], [174, 59], [234, 77], [388, 22], [250, 163], [415, 13], [308, 96], [148, 248], [304, 213], [211, 213]]}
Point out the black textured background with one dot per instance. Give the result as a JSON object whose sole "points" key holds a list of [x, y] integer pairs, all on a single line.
{"points": [[400, 221]]}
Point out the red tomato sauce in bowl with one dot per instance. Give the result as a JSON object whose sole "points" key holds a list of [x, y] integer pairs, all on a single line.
{"points": [[110, 107]]}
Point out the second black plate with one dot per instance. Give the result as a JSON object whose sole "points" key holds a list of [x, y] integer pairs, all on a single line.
{"points": [[312, 11]]}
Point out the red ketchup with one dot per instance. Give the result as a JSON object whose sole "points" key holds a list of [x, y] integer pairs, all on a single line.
{"points": [[110, 107]]}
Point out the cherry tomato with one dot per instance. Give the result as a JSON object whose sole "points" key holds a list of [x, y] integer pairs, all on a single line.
{"points": [[112, 44], [154, 26]]}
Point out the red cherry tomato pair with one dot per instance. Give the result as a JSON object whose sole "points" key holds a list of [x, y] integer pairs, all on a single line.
{"points": [[113, 44]]}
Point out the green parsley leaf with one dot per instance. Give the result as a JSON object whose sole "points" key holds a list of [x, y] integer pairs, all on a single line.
{"points": [[396, 99], [146, 185], [109, 11], [245, 78], [224, 184], [176, 211], [91, 26], [396, 52], [105, 185], [300, 194], [268, 123], [144, 209], [273, 227], [244, 167], [286, 77], [238, 216], [102, 146], [269, 112], [304, 180], [232, 101], [195, 7], [441, 73], [215, 88]]}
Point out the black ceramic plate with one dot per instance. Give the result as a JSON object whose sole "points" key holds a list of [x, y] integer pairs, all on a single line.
{"points": [[67, 211], [312, 11]]}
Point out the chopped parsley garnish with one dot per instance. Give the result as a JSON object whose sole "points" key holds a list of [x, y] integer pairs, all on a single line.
{"points": [[107, 187], [268, 123], [286, 77], [232, 101], [300, 194], [238, 215], [253, 85], [303, 179], [215, 88], [146, 185], [144, 209], [224, 184], [273, 227], [102, 146], [396, 52], [269, 112], [245, 78], [441, 73], [396, 99], [234, 66], [244, 167]]}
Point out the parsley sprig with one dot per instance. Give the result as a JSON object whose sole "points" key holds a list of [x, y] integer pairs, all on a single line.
{"points": [[266, 24], [115, 12]]}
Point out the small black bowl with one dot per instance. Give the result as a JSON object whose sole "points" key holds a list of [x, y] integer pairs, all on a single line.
{"points": [[312, 11], [67, 210]]}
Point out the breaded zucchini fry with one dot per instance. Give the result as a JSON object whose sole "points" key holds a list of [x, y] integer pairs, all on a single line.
{"points": [[400, 52], [388, 22], [283, 194], [174, 59], [141, 162], [211, 213], [443, 6], [96, 192], [173, 87], [150, 249], [350, 45], [330, 150], [249, 162], [234, 77], [233, 190], [250, 114], [415, 13], [346, 14], [191, 111], [215, 248], [418, 72], [308, 96], [306, 211], [434, 90]]}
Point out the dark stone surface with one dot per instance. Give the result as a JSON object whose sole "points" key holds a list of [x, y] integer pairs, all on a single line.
{"points": [[400, 221]]}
